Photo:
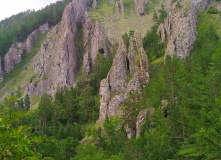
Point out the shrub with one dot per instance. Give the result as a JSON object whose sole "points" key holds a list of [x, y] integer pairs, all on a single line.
{"points": [[213, 10]]}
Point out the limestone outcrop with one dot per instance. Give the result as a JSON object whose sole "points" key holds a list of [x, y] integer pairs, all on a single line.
{"points": [[58, 62], [128, 73], [179, 28], [119, 9], [95, 41], [140, 6], [18, 49], [95, 4]]}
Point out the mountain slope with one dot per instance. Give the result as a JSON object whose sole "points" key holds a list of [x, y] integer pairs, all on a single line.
{"points": [[121, 81]]}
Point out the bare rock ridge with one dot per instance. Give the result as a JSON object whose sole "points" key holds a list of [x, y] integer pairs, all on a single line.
{"points": [[94, 40], [179, 28], [128, 73], [58, 63], [18, 49], [140, 6], [119, 9], [95, 4]]}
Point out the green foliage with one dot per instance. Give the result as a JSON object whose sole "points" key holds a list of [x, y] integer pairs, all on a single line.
{"points": [[151, 5], [190, 129], [126, 40], [18, 27], [152, 45], [15, 140], [27, 103], [212, 10], [151, 41]]}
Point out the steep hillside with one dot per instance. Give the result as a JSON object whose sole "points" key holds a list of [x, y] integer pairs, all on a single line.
{"points": [[116, 80]]}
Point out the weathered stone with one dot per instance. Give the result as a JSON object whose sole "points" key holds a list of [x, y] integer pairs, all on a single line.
{"points": [[95, 40], [116, 87], [131, 57], [162, 33], [36, 88], [115, 103], [95, 4], [119, 9], [33, 36], [218, 6], [118, 71], [179, 28], [87, 63], [201, 5], [140, 6], [134, 85], [143, 115], [104, 98], [17, 50], [13, 57], [58, 61]]}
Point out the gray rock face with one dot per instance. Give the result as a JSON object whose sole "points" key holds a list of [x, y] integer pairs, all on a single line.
{"points": [[112, 1], [179, 28], [143, 115], [95, 41], [13, 57], [119, 9], [201, 5], [58, 63], [140, 6], [17, 50], [219, 7], [115, 88], [95, 4]]}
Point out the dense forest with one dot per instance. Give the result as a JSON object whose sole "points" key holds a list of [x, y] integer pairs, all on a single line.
{"points": [[19, 26], [184, 95]]}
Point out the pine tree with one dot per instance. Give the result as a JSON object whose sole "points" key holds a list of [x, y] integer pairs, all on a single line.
{"points": [[27, 103]]}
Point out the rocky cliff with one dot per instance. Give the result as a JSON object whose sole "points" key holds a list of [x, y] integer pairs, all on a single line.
{"points": [[140, 6], [129, 73], [179, 28], [119, 9], [59, 60], [18, 49], [95, 41], [95, 4]]}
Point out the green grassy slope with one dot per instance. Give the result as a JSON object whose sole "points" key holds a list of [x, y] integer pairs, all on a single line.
{"points": [[115, 28]]}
